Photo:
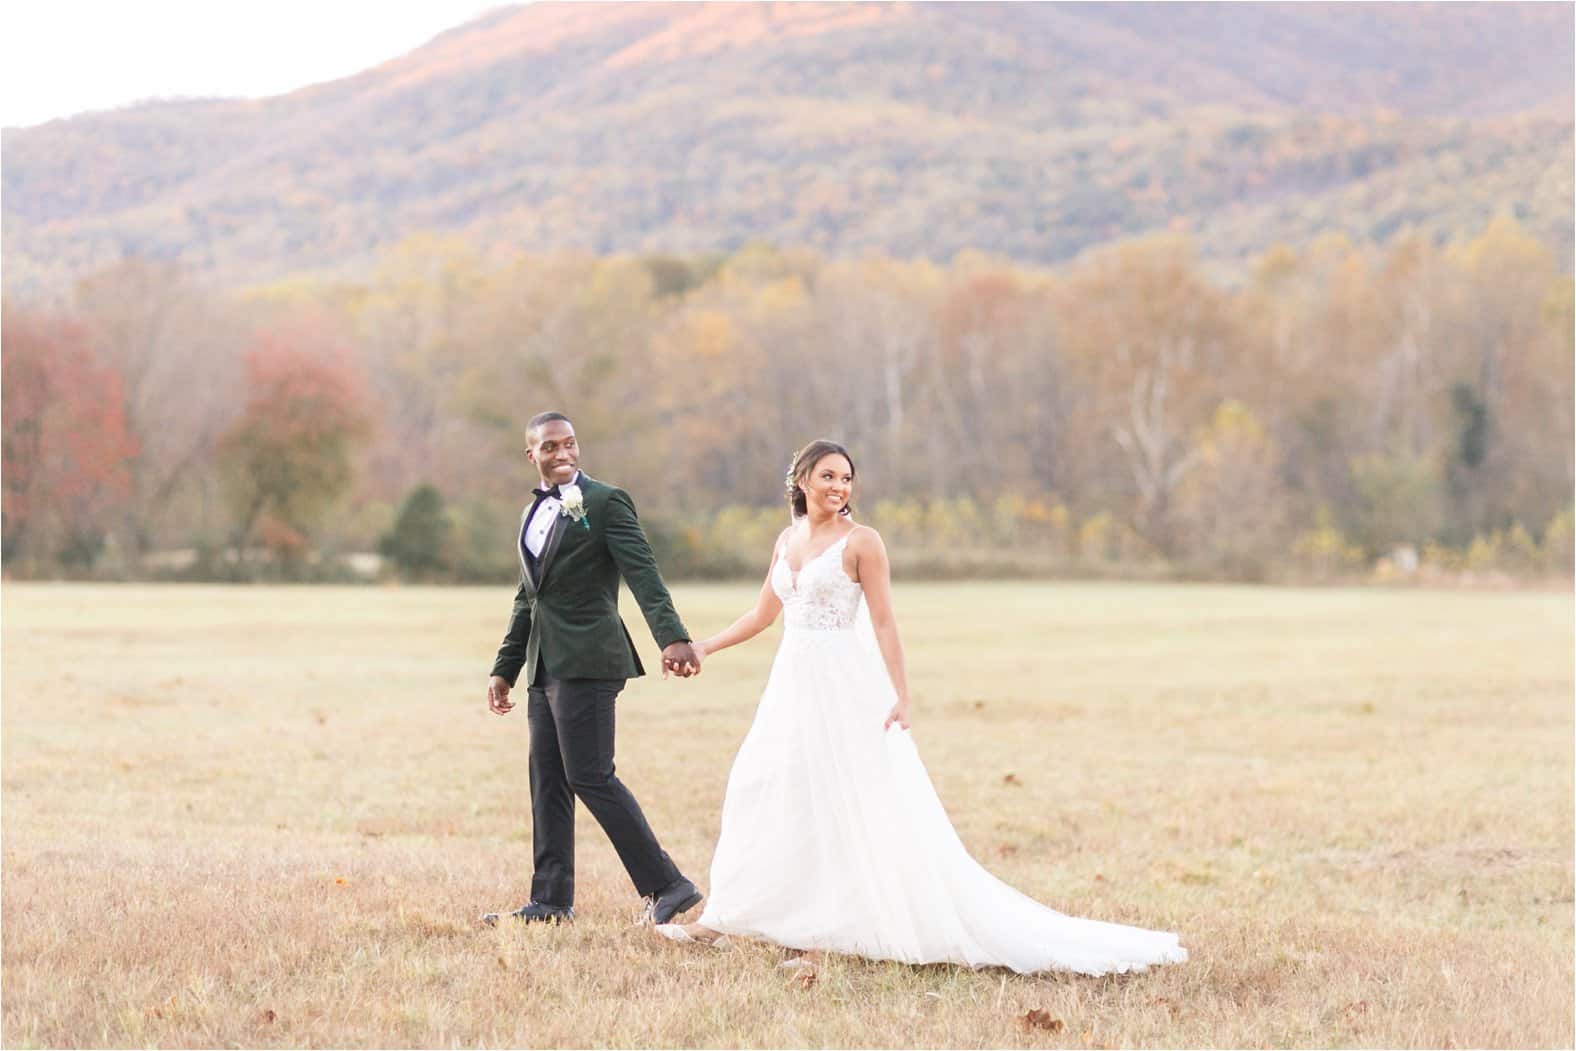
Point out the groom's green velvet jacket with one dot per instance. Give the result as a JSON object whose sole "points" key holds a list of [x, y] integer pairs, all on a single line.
{"points": [[567, 613]]}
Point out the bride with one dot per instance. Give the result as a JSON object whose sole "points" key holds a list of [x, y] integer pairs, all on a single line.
{"points": [[832, 836]]}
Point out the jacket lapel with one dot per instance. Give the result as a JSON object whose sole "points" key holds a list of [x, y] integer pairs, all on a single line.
{"points": [[555, 536], [519, 549]]}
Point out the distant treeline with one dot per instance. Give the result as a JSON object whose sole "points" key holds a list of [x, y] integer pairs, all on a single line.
{"points": [[1348, 409]]}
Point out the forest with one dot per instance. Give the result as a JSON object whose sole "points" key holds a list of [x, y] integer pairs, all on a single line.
{"points": [[1388, 410]]}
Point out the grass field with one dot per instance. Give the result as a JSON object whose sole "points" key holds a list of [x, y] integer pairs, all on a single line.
{"points": [[270, 816]]}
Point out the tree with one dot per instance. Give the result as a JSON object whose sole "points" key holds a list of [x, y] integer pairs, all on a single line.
{"points": [[1512, 395], [1232, 504], [65, 443], [420, 326], [1401, 500], [1157, 345], [876, 322], [995, 347], [290, 455], [177, 348], [418, 543], [1305, 315]]}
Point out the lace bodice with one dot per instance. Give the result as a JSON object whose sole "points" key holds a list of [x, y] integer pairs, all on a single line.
{"points": [[822, 598]]}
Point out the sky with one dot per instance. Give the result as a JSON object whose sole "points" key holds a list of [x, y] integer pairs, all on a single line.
{"points": [[62, 58]]}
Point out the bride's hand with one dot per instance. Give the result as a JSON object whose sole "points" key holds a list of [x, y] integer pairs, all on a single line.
{"points": [[700, 650], [898, 714]]}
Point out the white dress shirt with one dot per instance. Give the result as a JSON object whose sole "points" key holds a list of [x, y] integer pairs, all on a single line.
{"points": [[540, 522]]}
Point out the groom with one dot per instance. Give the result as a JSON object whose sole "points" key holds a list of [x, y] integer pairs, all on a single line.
{"points": [[576, 539]]}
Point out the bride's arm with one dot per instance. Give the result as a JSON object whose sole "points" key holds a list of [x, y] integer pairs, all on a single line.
{"points": [[753, 622], [875, 576]]}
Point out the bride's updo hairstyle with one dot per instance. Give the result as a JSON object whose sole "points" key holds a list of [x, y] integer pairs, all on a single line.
{"points": [[801, 467]]}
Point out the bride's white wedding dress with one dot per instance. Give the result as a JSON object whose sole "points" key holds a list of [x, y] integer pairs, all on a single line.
{"points": [[833, 836]]}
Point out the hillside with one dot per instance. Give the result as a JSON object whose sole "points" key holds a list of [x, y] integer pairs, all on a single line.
{"points": [[1033, 131]]}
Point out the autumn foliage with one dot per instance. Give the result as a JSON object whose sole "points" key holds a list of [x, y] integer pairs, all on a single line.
{"points": [[290, 454], [65, 441], [1345, 408], [1031, 131]]}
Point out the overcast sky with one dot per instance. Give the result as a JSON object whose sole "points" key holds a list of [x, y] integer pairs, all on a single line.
{"points": [[61, 58]]}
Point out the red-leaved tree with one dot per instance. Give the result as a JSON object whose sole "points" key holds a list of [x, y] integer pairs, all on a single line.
{"points": [[291, 454], [65, 443]]}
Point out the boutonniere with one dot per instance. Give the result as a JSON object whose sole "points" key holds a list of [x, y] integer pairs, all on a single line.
{"points": [[572, 504]]}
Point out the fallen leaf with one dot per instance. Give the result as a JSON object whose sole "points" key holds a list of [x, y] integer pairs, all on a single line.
{"points": [[979, 706], [804, 979], [268, 1015], [1011, 779], [1099, 878], [1007, 850], [340, 880], [503, 964], [1038, 1019]]}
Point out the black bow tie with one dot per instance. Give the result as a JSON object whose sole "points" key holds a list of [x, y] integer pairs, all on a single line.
{"points": [[543, 494]]}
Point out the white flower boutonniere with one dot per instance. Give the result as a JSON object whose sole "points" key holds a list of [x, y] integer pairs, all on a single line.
{"points": [[573, 504]]}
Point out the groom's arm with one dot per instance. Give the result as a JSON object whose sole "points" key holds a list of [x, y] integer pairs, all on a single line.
{"points": [[511, 655], [631, 552]]}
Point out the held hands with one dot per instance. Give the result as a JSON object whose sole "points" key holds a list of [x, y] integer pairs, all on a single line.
{"points": [[498, 701], [898, 714], [681, 659]]}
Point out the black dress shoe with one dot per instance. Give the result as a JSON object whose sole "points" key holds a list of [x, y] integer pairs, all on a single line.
{"points": [[678, 898], [535, 912]]}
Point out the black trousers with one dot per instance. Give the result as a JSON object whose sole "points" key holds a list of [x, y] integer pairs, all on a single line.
{"points": [[571, 724]]}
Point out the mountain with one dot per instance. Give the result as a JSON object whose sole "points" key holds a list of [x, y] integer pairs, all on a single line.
{"points": [[1033, 131]]}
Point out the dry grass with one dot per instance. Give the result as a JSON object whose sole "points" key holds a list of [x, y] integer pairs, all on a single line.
{"points": [[269, 816]]}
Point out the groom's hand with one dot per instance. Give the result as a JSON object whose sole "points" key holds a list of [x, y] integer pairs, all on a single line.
{"points": [[498, 695], [680, 659]]}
